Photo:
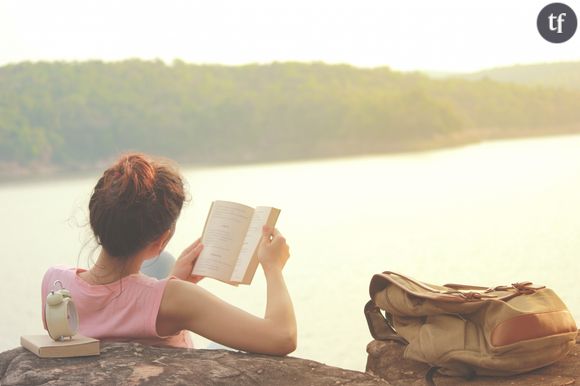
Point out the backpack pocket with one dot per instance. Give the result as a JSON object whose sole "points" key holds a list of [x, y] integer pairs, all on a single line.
{"points": [[527, 355], [432, 337]]}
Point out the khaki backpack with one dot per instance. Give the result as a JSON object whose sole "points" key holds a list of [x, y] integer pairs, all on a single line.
{"points": [[469, 330]]}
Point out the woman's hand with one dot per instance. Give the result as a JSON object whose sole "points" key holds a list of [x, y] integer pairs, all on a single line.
{"points": [[273, 252], [184, 265]]}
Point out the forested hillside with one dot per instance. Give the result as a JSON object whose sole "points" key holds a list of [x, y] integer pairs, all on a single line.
{"points": [[75, 115], [557, 75]]}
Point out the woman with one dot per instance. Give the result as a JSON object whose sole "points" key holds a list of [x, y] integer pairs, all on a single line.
{"points": [[133, 211]]}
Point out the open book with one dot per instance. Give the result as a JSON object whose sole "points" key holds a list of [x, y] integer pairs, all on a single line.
{"points": [[45, 347], [230, 240]]}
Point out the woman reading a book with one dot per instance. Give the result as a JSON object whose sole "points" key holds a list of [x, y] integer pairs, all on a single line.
{"points": [[133, 211]]}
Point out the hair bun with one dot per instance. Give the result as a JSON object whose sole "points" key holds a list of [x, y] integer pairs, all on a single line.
{"points": [[132, 179]]}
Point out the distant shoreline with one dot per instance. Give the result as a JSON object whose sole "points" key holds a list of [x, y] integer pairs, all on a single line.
{"points": [[45, 172]]}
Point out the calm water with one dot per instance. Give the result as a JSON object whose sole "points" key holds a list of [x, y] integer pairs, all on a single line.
{"points": [[486, 214]]}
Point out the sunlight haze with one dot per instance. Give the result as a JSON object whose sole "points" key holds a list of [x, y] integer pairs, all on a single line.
{"points": [[449, 35]]}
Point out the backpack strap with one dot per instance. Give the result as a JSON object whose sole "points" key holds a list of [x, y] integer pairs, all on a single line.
{"points": [[381, 327], [433, 370], [429, 376]]}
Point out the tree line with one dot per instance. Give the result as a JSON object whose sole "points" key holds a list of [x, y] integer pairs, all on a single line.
{"points": [[564, 75], [78, 114]]}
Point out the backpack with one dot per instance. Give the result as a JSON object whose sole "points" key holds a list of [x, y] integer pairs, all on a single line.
{"points": [[463, 330]]}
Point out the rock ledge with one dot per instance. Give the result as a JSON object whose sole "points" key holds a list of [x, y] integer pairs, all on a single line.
{"points": [[136, 364]]}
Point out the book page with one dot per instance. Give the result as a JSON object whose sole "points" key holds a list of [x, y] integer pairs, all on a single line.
{"points": [[261, 217], [222, 238]]}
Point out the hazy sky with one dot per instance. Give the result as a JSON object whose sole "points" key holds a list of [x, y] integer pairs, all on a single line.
{"points": [[437, 35]]}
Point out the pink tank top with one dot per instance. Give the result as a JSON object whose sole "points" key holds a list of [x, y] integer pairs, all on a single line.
{"points": [[125, 310]]}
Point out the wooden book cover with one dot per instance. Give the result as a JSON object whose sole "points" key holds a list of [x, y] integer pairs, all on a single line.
{"points": [[45, 347]]}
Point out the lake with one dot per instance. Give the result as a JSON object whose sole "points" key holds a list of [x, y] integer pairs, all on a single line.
{"points": [[488, 214]]}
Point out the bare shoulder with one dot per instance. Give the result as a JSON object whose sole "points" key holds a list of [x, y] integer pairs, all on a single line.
{"points": [[184, 300], [176, 292], [177, 306], [176, 286]]}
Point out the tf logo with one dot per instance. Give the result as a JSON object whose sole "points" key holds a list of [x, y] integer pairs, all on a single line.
{"points": [[557, 22]]}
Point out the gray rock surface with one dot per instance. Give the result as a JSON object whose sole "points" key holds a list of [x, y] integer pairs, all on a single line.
{"points": [[385, 359], [135, 364]]}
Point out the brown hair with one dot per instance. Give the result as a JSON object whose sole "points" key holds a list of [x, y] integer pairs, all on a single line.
{"points": [[134, 202]]}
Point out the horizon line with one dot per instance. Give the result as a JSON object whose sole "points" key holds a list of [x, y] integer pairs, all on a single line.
{"points": [[172, 62]]}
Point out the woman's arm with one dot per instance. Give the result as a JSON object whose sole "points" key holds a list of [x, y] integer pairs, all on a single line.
{"points": [[188, 306]]}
